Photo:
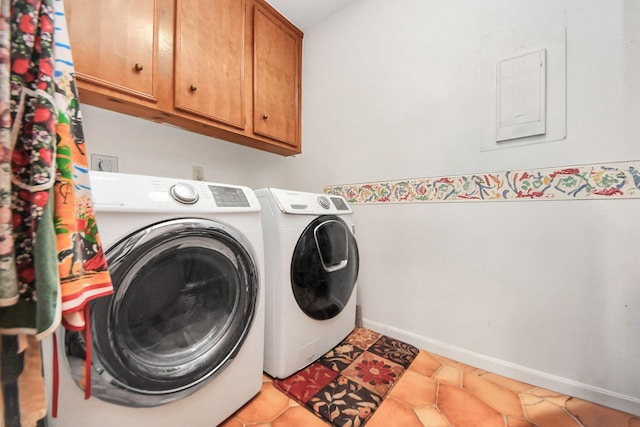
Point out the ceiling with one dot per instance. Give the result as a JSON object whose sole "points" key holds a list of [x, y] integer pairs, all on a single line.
{"points": [[307, 13]]}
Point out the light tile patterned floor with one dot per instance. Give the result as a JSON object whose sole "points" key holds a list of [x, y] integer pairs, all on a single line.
{"points": [[440, 392]]}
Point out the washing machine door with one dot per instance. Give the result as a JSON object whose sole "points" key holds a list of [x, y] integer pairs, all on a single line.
{"points": [[324, 267], [185, 294]]}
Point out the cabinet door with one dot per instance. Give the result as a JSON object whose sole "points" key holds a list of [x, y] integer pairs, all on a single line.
{"points": [[114, 44], [277, 64], [210, 59]]}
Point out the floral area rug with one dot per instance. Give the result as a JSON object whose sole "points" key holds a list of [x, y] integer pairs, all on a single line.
{"points": [[346, 385]]}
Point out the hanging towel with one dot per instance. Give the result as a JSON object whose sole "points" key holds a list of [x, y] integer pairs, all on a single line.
{"points": [[33, 137], [56, 246], [82, 263], [8, 281]]}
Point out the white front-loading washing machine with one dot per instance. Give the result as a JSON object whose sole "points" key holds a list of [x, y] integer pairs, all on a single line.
{"points": [[311, 266], [180, 341]]}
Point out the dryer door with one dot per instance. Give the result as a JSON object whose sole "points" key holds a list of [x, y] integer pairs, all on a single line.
{"points": [[324, 268], [185, 294]]}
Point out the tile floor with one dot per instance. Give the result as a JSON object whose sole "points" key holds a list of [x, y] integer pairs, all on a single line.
{"points": [[440, 392]]}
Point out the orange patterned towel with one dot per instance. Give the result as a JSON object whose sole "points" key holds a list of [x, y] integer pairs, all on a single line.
{"points": [[82, 264]]}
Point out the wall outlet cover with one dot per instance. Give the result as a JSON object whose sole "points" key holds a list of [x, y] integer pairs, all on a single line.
{"points": [[198, 173], [100, 162]]}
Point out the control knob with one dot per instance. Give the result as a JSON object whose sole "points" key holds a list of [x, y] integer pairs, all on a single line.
{"points": [[324, 202], [184, 193]]}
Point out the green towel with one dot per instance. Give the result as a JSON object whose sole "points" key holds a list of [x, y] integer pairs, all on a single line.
{"points": [[41, 315]]}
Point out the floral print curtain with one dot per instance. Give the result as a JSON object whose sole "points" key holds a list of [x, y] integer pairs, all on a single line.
{"points": [[51, 258], [8, 281], [33, 137]]}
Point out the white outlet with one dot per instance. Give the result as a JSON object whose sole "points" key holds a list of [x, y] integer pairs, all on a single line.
{"points": [[100, 162], [198, 173]]}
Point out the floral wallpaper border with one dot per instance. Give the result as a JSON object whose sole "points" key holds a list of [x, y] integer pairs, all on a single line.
{"points": [[620, 180]]}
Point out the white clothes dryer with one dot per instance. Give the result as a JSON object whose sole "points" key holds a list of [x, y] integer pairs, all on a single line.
{"points": [[180, 341], [311, 266]]}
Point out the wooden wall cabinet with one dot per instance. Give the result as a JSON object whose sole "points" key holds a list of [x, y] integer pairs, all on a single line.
{"points": [[230, 69]]}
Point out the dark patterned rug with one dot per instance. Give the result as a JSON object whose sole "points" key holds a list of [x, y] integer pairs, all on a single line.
{"points": [[346, 385]]}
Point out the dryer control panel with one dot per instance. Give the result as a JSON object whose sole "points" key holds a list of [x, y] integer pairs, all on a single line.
{"points": [[299, 202]]}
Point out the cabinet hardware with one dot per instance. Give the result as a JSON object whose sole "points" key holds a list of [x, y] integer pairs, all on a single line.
{"points": [[265, 116], [193, 88], [138, 66]]}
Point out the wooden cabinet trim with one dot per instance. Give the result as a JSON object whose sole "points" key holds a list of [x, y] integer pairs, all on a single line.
{"points": [[115, 87]]}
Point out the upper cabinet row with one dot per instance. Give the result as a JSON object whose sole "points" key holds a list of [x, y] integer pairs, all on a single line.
{"points": [[230, 69]]}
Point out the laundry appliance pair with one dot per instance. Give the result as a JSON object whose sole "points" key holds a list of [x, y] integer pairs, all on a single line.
{"points": [[212, 284]]}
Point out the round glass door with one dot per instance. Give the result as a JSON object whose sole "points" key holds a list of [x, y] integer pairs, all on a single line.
{"points": [[185, 292], [324, 268]]}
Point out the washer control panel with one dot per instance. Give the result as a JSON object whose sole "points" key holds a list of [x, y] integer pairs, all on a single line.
{"points": [[140, 193], [229, 197]]}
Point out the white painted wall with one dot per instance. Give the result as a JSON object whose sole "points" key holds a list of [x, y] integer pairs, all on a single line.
{"points": [[147, 148], [544, 291]]}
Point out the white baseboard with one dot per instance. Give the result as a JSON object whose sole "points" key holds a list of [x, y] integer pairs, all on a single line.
{"points": [[541, 379]]}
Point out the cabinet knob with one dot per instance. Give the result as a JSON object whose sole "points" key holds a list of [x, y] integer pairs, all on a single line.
{"points": [[265, 116], [139, 66], [193, 88]]}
